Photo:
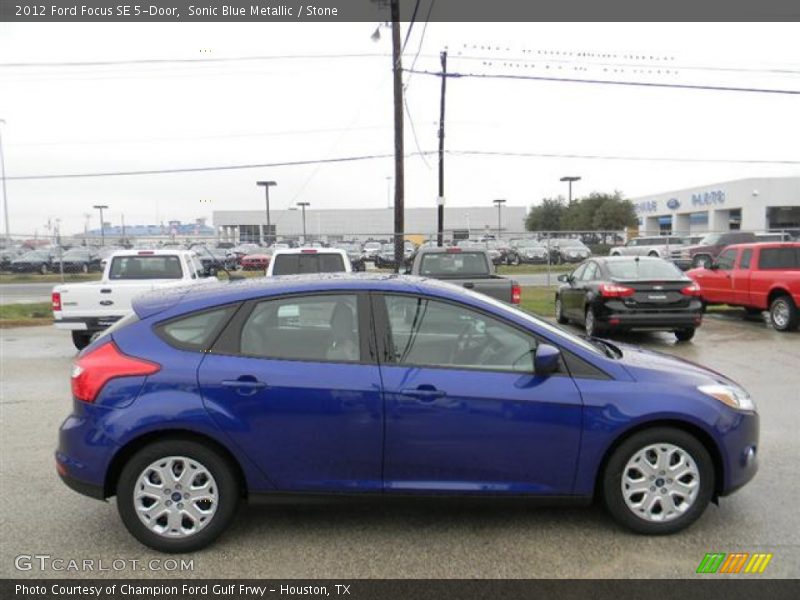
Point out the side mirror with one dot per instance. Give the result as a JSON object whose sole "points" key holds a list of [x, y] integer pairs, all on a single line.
{"points": [[564, 278], [546, 360], [714, 266]]}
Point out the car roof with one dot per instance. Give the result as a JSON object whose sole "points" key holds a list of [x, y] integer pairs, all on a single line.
{"points": [[627, 259], [153, 252], [765, 245], [308, 250]]}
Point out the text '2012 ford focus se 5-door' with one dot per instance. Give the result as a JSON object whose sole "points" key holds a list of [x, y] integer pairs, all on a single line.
{"points": [[392, 386]]}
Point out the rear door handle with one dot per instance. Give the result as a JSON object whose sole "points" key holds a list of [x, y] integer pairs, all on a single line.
{"points": [[469, 285], [424, 394], [246, 385]]}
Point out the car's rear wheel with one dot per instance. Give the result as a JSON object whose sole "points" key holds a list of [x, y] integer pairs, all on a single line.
{"points": [[684, 335], [590, 323], [81, 339], [177, 495], [560, 311], [783, 313], [658, 481]]}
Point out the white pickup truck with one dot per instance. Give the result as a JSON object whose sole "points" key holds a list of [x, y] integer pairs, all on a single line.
{"points": [[86, 308]]}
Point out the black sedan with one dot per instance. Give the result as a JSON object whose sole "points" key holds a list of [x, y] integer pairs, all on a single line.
{"points": [[35, 261], [79, 260], [625, 293]]}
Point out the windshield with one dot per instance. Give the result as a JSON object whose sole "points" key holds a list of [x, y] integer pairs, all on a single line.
{"points": [[36, 255], [641, 270], [372, 246], [454, 264], [711, 239], [571, 244]]}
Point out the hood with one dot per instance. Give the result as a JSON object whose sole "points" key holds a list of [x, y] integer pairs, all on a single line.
{"points": [[654, 366]]}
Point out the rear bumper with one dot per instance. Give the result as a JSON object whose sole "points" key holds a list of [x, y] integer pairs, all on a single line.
{"points": [[656, 321], [85, 324]]}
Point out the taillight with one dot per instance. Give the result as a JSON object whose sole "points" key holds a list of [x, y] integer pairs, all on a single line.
{"points": [[516, 294], [454, 250], [691, 290], [92, 371], [56, 300], [610, 290]]}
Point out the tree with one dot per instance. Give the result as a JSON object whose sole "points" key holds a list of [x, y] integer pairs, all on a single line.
{"points": [[546, 216]]}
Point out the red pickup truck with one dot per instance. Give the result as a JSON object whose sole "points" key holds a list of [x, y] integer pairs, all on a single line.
{"points": [[758, 277]]}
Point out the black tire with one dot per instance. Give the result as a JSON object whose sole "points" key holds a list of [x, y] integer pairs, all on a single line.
{"points": [[701, 260], [221, 470], [612, 480], [43, 269], [684, 335], [81, 339], [590, 324], [783, 313], [560, 311], [84, 268], [653, 253], [515, 260]]}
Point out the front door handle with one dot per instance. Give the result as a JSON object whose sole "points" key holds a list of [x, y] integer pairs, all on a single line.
{"points": [[423, 393], [469, 285]]}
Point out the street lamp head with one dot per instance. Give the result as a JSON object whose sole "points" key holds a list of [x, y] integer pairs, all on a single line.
{"points": [[266, 183], [304, 204], [499, 201], [570, 178], [100, 206]]}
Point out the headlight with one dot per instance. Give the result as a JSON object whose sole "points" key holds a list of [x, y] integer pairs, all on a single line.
{"points": [[733, 396]]}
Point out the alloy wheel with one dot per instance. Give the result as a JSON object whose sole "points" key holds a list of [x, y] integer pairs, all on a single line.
{"points": [[780, 313], [660, 482], [175, 497]]}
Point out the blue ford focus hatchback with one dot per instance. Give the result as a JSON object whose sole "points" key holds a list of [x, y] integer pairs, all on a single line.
{"points": [[386, 385]]}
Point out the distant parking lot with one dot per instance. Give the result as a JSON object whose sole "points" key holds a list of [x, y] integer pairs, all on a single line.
{"points": [[449, 539]]}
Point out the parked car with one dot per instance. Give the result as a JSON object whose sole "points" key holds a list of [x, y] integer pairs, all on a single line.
{"points": [[621, 293], [255, 262], [531, 251], [758, 277], [355, 254], [568, 251], [495, 256], [301, 261], [87, 308], [35, 261], [79, 260], [216, 259], [660, 246], [706, 250], [389, 386], [371, 250], [6, 256], [385, 258], [776, 236], [468, 268]]}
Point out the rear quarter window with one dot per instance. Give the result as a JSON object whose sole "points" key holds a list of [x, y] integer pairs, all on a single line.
{"points": [[779, 258], [195, 331]]}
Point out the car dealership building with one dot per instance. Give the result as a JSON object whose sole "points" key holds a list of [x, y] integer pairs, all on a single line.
{"points": [[365, 223], [759, 204]]}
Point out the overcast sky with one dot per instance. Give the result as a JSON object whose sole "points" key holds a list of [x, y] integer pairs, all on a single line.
{"points": [[119, 118]]}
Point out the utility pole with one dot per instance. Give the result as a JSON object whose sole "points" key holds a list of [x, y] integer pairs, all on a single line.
{"points": [[267, 185], [100, 207], [123, 230], [499, 203], [302, 206], [399, 191], [3, 175], [440, 199]]}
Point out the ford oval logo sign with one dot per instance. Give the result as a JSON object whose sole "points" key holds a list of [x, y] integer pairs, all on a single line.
{"points": [[673, 203]]}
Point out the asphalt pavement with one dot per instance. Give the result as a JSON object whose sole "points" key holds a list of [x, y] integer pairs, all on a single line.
{"points": [[41, 516], [25, 293]]}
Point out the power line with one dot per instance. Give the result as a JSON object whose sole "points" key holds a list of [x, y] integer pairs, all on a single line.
{"points": [[421, 39], [731, 161], [684, 86], [414, 132], [347, 159], [160, 61], [294, 163], [410, 26]]}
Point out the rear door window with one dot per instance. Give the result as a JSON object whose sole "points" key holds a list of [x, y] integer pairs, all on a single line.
{"points": [[308, 328]]}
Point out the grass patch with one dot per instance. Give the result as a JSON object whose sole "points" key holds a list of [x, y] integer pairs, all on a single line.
{"points": [[18, 315], [49, 278], [539, 300]]}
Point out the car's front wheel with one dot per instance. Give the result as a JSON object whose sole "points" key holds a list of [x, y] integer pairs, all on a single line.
{"points": [[684, 335], [177, 495], [658, 481]]}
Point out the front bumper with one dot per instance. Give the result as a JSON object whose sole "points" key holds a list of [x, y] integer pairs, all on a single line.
{"points": [[740, 453]]}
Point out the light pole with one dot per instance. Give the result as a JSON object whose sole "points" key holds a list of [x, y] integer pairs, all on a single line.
{"points": [[302, 206], [267, 185], [570, 179], [388, 192], [3, 175], [100, 207], [499, 202]]}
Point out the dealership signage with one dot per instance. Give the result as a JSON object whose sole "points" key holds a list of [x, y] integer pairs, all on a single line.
{"points": [[647, 206], [673, 203], [708, 198]]}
